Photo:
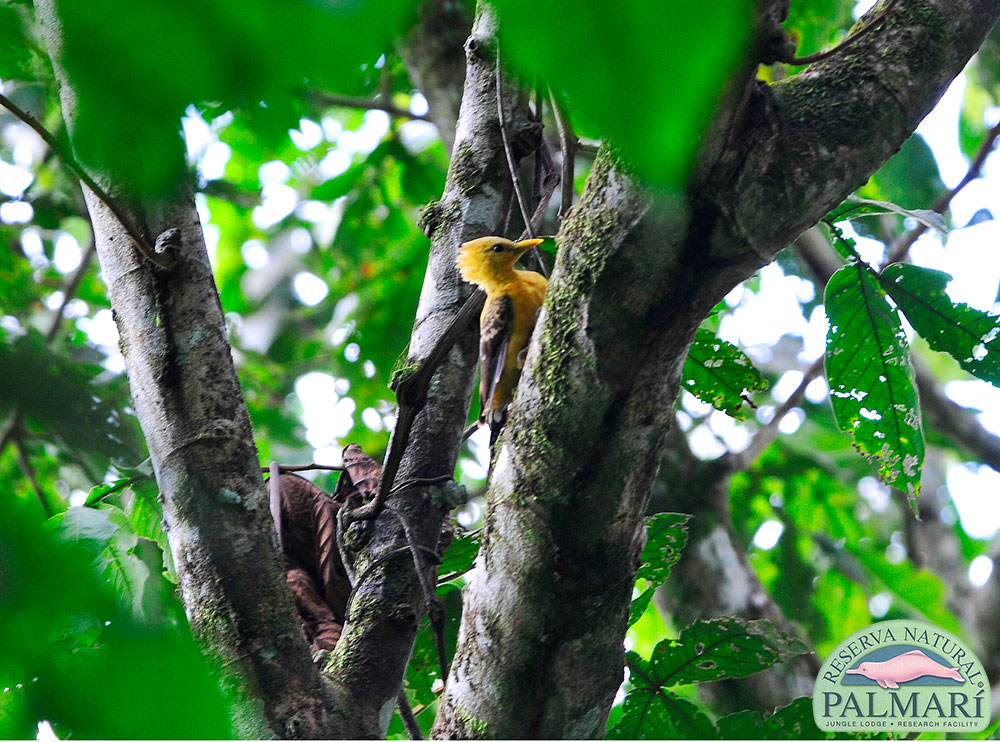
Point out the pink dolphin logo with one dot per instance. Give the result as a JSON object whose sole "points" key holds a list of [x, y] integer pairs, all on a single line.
{"points": [[905, 667]]}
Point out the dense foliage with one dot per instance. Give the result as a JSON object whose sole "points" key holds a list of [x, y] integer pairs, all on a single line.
{"points": [[313, 157]]}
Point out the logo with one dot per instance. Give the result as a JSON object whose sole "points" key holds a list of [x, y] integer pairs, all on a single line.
{"points": [[902, 676]]}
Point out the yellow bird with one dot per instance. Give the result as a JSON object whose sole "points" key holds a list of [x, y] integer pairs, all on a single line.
{"points": [[513, 298]]}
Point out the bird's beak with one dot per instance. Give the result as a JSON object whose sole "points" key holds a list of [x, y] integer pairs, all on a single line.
{"points": [[527, 244]]}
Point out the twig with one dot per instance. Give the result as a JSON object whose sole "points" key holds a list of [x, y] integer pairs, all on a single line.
{"points": [[818, 56], [29, 473], [406, 715], [435, 610], [367, 104], [411, 394], [356, 584], [536, 183], [141, 244], [766, 435], [69, 291], [301, 467], [274, 498], [420, 482], [902, 246], [511, 165], [515, 179], [569, 145]]}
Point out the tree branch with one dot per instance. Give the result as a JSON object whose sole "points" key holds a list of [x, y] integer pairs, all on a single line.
{"points": [[373, 651], [147, 250], [366, 104]]}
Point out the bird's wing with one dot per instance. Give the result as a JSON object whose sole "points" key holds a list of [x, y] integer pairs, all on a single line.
{"points": [[496, 326]]}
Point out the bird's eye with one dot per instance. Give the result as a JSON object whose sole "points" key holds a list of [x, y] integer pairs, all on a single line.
{"points": [[497, 248]]}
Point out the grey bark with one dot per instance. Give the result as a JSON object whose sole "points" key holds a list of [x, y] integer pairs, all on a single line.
{"points": [[373, 651], [191, 409], [540, 645]]}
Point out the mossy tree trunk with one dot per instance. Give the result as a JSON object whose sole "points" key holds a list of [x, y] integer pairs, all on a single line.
{"points": [[541, 642]]}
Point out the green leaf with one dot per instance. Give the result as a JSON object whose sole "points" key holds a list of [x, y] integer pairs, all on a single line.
{"points": [[666, 535], [910, 176], [720, 374], [146, 518], [968, 335], [855, 207], [639, 605], [718, 649], [72, 646], [919, 588], [106, 533], [871, 378], [817, 24], [80, 525], [794, 721], [649, 712], [424, 666], [16, 55], [131, 99], [618, 89], [100, 491], [459, 557]]}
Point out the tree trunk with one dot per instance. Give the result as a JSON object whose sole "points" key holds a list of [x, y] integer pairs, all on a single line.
{"points": [[540, 645], [378, 637], [190, 406]]}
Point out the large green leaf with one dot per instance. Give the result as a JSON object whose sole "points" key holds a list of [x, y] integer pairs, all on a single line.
{"points": [[106, 533], [855, 207], [135, 67], [72, 654], [967, 334], [16, 55], [666, 535], [459, 557], [706, 651], [720, 374], [794, 721], [651, 712], [871, 377], [621, 68], [920, 588], [910, 177], [718, 649]]}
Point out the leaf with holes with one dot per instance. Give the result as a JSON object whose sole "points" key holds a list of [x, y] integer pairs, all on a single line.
{"points": [[666, 535], [652, 712], [794, 721], [871, 378], [970, 336], [720, 374], [719, 649]]}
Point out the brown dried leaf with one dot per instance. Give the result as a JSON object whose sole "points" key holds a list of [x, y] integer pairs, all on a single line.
{"points": [[336, 587], [298, 520], [360, 477], [321, 626]]}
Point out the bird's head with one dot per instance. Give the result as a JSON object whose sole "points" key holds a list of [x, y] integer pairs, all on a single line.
{"points": [[488, 258]]}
